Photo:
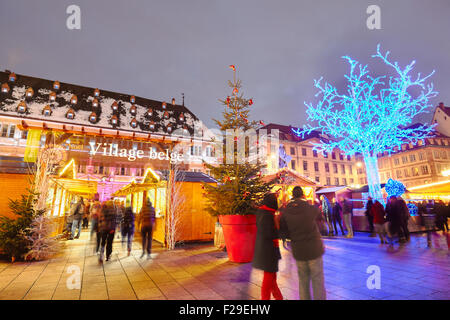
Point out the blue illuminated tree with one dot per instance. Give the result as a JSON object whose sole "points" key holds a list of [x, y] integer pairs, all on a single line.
{"points": [[372, 116]]}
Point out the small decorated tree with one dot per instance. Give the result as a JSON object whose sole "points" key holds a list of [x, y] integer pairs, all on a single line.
{"points": [[373, 116], [42, 244]]}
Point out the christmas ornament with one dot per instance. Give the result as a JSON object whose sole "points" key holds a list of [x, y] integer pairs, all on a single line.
{"points": [[250, 102]]}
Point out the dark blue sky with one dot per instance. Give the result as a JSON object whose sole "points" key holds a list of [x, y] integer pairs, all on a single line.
{"points": [[160, 48]]}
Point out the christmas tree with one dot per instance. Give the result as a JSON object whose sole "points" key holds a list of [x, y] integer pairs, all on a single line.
{"points": [[15, 232], [42, 244], [240, 186]]}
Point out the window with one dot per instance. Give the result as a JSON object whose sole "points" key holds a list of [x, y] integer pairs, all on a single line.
{"points": [[303, 151], [305, 165], [396, 161], [344, 181], [292, 150], [328, 181], [399, 174], [100, 170], [4, 130], [421, 156], [406, 171], [327, 167], [437, 154], [352, 180], [316, 166], [415, 172], [350, 169], [12, 130], [315, 153], [349, 158], [388, 175], [443, 154], [336, 181], [325, 154], [341, 157], [404, 159], [342, 169], [333, 156], [412, 157], [24, 134], [293, 165], [335, 168], [424, 169], [317, 179]]}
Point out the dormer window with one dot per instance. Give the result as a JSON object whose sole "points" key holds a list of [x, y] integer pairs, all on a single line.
{"points": [[152, 125], [93, 117], [169, 128], [52, 96], [166, 115], [74, 99], [47, 111], [114, 106], [56, 85], [133, 123], [173, 101], [164, 105], [12, 77], [5, 88], [181, 117], [29, 93], [22, 107], [150, 112], [185, 129], [114, 120], [133, 110], [70, 114], [96, 93], [95, 103], [132, 99]]}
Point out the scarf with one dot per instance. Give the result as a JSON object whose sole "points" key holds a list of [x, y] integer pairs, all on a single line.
{"points": [[276, 243]]}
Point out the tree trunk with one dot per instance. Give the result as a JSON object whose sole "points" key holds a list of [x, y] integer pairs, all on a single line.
{"points": [[373, 178]]}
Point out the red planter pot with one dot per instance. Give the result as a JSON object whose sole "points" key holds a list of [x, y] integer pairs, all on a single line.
{"points": [[240, 234]]}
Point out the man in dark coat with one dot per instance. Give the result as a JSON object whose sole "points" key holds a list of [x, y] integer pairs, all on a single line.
{"points": [[107, 228], [404, 212], [298, 223], [267, 251], [128, 227], [336, 216], [394, 217], [369, 205]]}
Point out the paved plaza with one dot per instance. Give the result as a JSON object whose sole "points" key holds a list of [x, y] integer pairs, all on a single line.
{"points": [[201, 271]]}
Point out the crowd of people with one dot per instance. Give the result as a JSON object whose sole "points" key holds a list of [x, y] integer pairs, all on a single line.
{"points": [[304, 223], [108, 219]]}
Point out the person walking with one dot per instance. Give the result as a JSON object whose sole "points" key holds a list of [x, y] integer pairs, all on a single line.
{"points": [[119, 210], [336, 216], [327, 212], [298, 223], [86, 212], [393, 217], [107, 228], [267, 251], [77, 210], [377, 213], [94, 214], [404, 214], [347, 214], [369, 205], [128, 227], [145, 222]]}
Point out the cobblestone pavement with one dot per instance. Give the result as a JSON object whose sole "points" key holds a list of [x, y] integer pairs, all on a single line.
{"points": [[200, 271]]}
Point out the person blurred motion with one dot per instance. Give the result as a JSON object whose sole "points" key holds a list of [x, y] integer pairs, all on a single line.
{"points": [[394, 219], [77, 210], [327, 213], [336, 216], [347, 214], [128, 227], [107, 228], [267, 251], [377, 213], [96, 208], [145, 222], [404, 218], [369, 205], [298, 223]]}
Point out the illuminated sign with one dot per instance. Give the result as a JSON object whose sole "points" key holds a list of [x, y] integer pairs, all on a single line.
{"points": [[112, 150]]}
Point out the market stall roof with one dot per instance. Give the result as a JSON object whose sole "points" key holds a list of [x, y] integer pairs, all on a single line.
{"points": [[332, 189], [366, 188], [78, 186], [441, 187], [293, 177]]}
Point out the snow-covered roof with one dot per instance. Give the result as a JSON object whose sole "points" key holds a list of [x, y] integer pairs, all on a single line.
{"points": [[16, 91]]}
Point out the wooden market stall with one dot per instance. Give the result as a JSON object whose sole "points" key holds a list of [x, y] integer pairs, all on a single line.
{"points": [[195, 224], [286, 179]]}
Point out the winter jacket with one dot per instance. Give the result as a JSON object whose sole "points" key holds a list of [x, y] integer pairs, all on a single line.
{"points": [[298, 223], [146, 217], [346, 207], [377, 212], [337, 209], [267, 251], [76, 211], [368, 207], [128, 220], [107, 220], [394, 216]]}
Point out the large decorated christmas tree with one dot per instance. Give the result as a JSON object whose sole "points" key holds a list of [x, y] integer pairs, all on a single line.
{"points": [[240, 186]]}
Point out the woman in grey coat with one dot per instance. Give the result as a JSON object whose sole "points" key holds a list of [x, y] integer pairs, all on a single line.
{"points": [[267, 251]]}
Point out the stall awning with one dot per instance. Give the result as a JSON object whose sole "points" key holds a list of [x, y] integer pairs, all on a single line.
{"points": [[77, 186], [441, 187], [332, 190]]}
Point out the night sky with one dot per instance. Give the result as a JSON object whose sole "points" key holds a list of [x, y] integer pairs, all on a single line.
{"points": [[158, 49]]}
